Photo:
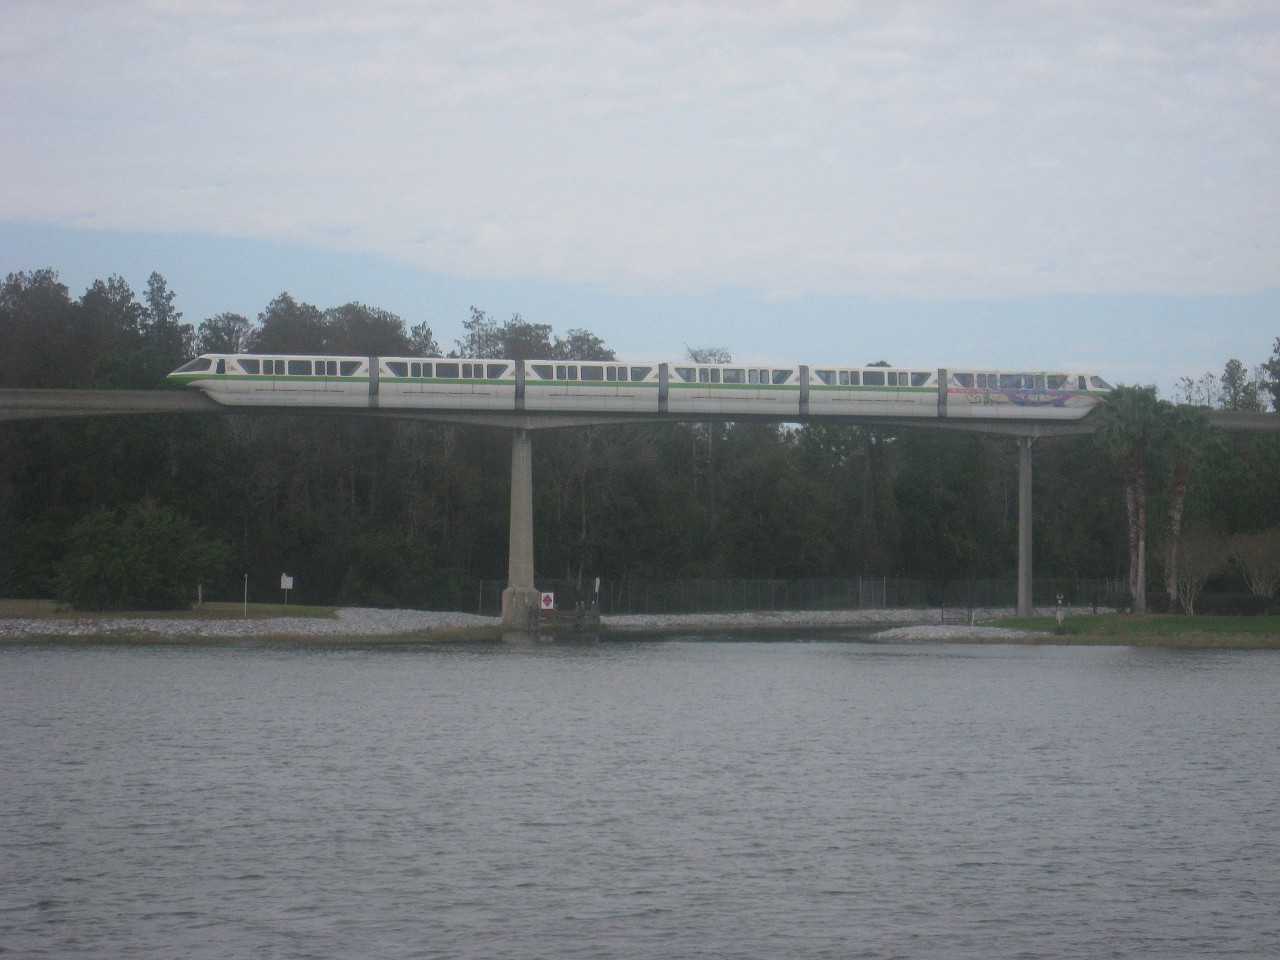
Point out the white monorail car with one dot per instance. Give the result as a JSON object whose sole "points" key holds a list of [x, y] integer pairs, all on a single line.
{"points": [[681, 389]]}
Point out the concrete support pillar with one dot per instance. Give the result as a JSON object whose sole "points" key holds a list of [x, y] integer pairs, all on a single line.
{"points": [[1024, 527], [520, 597]]}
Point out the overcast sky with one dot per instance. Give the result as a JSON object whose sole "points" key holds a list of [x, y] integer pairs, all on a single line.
{"points": [[1045, 184]]}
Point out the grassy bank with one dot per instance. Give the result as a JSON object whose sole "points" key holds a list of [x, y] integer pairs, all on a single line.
{"points": [[1159, 630]]}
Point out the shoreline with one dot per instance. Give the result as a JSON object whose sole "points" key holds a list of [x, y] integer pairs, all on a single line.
{"points": [[352, 624], [36, 622]]}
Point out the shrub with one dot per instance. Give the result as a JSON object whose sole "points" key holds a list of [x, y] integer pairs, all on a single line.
{"points": [[146, 558], [1257, 555], [1202, 556]]}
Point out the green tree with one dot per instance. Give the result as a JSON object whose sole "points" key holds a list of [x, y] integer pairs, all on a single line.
{"points": [[146, 558], [224, 333], [1185, 434], [1272, 368], [163, 333], [1130, 420], [581, 345], [356, 330], [708, 354], [287, 326], [1240, 391], [423, 341], [38, 331], [517, 339]]}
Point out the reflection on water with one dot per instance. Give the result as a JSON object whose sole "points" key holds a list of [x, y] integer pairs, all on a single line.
{"points": [[638, 799]]}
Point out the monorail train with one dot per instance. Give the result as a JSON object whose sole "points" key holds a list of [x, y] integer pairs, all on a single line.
{"points": [[679, 388]]}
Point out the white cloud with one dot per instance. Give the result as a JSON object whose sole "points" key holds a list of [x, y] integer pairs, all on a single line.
{"points": [[937, 149]]}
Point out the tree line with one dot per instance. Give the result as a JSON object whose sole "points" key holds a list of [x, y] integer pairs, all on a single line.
{"points": [[405, 513]]}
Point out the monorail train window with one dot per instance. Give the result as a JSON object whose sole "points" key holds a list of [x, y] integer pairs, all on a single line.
{"points": [[197, 365], [781, 376], [415, 369], [873, 378], [704, 375], [331, 368], [1057, 381], [963, 379], [592, 372], [1040, 381], [222, 366], [1099, 384], [753, 376], [347, 368], [398, 368], [495, 371], [853, 378], [919, 379], [299, 368], [1014, 381], [247, 365], [543, 370], [735, 376], [687, 374], [844, 378], [446, 371], [565, 371], [639, 373], [826, 376]]}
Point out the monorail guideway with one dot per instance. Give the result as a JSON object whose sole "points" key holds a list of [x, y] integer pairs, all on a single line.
{"points": [[535, 394], [529, 394]]}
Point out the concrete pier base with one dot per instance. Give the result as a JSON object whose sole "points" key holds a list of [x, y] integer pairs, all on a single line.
{"points": [[520, 598]]}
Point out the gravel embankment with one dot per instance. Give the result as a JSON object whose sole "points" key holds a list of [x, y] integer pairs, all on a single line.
{"points": [[900, 625], [349, 622]]}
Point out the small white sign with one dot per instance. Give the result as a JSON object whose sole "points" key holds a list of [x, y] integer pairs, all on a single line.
{"points": [[548, 601], [286, 582]]}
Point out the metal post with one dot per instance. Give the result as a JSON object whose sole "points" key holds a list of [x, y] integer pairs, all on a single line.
{"points": [[520, 598], [1024, 527]]}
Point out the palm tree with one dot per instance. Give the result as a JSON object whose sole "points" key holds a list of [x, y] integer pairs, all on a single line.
{"points": [[1130, 421], [1185, 431]]}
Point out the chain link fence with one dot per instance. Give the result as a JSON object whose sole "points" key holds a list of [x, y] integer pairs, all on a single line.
{"points": [[617, 597]]}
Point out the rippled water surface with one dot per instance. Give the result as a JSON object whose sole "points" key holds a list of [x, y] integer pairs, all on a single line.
{"points": [[638, 800]]}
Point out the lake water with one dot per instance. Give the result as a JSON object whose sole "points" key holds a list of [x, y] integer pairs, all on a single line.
{"points": [[648, 799]]}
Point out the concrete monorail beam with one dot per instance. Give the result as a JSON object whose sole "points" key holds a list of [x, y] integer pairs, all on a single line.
{"points": [[32, 404]]}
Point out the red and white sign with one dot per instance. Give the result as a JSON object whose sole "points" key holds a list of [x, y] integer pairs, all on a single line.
{"points": [[548, 601]]}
